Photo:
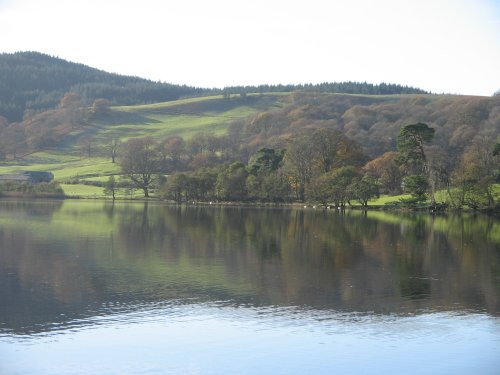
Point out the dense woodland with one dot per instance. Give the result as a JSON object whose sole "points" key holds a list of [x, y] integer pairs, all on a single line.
{"points": [[319, 147], [335, 150], [33, 82]]}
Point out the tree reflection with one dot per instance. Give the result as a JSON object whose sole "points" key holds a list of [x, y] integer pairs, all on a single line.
{"points": [[130, 254]]}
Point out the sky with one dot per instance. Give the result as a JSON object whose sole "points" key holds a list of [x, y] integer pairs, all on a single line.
{"points": [[443, 46]]}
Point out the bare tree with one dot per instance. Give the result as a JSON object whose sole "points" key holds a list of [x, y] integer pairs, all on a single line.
{"points": [[299, 164], [112, 148], [86, 145], [111, 187]]}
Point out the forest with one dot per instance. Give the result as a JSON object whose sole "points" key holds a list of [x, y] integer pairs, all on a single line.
{"points": [[335, 150], [320, 166], [330, 150], [305, 144]]}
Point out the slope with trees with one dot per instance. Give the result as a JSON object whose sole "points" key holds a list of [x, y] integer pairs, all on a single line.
{"points": [[317, 147], [36, 82]]}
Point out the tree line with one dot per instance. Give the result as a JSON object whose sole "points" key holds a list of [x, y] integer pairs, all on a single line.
{"points": [[321, 166], [207, 168]]}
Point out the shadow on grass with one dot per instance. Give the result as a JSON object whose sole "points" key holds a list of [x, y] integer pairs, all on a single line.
{"points": [[121, 117]]}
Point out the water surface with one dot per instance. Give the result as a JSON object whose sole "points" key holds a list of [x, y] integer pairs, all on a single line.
{"points": [[91, 287]]}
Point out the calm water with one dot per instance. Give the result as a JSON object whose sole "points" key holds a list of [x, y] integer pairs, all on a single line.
{"points": [[95, 288]]}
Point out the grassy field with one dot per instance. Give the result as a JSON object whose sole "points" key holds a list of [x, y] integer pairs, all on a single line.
{"points": [[85, 191], [64, 171], [440, 196], [387, 199], [185, 117]]}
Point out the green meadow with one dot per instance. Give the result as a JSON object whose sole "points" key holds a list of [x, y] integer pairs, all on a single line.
{"points": [[185, 117]]}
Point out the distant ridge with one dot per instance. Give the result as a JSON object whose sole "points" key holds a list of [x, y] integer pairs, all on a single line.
{"points": [[36, 81]]}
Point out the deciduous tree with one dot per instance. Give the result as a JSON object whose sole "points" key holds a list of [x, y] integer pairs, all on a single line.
{"points": [[386, 172], [140, 162], [100, 108], [177, 187], [111, 187], [363, 189], [231, 183], [325, 144], [173, 149], [112, 148], [299, 164], [480, 168]]}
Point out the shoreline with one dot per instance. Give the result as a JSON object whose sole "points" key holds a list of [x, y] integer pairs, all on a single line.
{"points": [[388, 208]]}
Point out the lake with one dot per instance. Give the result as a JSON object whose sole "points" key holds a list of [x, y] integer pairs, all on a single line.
{"points": [[88, 287]]}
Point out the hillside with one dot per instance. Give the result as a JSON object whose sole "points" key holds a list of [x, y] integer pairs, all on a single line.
{"points": [[32, 81], [80, 150], [79, 123], [248, 122], [375, 120]]}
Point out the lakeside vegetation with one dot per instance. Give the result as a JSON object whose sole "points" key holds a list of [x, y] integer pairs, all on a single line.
{"points": [[309, 146]]}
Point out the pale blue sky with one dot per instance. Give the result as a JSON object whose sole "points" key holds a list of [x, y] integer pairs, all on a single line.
{"points": [[448, 46]]}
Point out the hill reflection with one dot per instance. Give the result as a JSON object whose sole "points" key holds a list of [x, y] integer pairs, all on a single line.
{"points": [[65, 261]]}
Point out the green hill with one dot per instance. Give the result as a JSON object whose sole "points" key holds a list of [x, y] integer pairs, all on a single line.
{"points": [[32, 81], [69, 159], [269, 119], [72, 140]]}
